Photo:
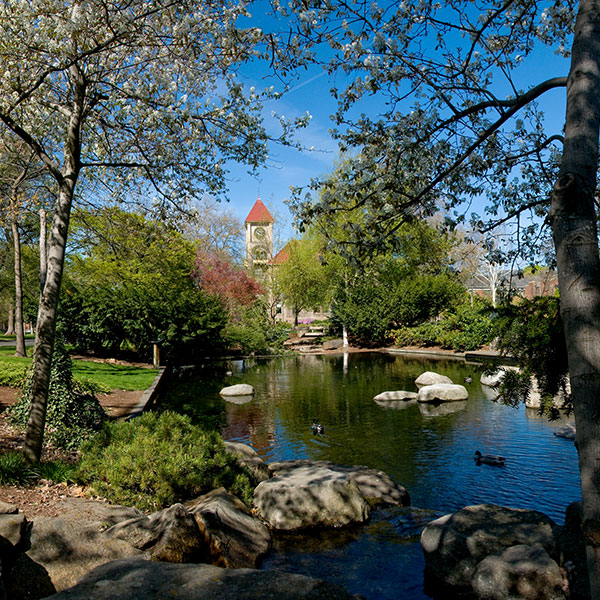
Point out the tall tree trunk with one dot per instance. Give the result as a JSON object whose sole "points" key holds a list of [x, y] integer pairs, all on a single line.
{"points": [[46, 324], [43, 250], [576, 240], [19, 331], [10, 330]]}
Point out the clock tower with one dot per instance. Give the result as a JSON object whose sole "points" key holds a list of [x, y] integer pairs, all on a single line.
{"points": [[259, 239]]}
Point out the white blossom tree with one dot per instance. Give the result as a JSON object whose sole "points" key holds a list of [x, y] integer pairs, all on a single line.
{"points": [[454, 90], [126, 97]]}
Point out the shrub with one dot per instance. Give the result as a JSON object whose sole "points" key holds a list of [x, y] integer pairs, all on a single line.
{"points": [[72, 416], [12, 375], [15, 470], [157, 460]]}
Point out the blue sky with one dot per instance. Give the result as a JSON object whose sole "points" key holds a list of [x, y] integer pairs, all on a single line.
{"points": [[310, 92]]}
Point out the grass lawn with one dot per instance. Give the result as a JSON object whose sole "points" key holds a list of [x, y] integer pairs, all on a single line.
{"points": [[109, 376]]}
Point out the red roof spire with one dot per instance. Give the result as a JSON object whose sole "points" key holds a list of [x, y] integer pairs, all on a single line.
{"points": [[259, 214]]}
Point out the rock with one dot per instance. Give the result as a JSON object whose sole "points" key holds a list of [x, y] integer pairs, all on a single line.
{"points": [[534, 398], [240, 389], [67, 549], [397, 396], [375, 486], [494, 378], [15, 528], [310, 496], [248, 457], [455, 544], [8, 509], [333, 344], [443, 392], [524, 572], [568, 432], [428, 409], [429, 378], [170, 535], [137, 579], [233, 537], [574, 552]]}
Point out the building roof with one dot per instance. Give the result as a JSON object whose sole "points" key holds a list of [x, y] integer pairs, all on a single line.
{"points": [[282, 255], [259, 213]]}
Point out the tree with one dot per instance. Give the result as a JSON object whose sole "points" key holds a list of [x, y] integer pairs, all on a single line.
{"points": [[457, 121], [132, 97], [302, 279], [128, 281]]}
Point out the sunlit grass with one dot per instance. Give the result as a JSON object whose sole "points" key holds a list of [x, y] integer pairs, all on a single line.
{"points": [[107, 376]]}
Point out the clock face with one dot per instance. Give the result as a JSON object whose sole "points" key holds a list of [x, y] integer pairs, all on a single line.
{"points": [[259, 233]]}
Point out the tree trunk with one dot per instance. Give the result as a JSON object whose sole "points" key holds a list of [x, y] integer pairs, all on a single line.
{"points": [[46, 324], [10, 330], [20, 333], [43, 250], [576, 240]]}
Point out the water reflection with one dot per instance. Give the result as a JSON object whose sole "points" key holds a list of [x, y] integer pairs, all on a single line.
{"points": [[430, 455]]}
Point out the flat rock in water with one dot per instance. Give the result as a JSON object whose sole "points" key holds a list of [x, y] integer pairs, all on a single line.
{"points": [[443, 392], [455, 544], [240, 389], [430, 377], [395, 396], [137, 579]]}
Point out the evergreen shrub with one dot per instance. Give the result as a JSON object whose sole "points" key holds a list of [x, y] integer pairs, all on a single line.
{"points": [[158, 459]]}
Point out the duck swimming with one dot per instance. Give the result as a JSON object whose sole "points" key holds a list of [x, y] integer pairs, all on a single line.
{"points": [[317, 427], [488, 459]]}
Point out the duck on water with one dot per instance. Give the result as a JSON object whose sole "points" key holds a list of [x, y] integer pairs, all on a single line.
{"points": [[489, 459]]}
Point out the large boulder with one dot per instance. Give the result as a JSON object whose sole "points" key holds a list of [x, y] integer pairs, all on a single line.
{"points": [[455, 544], [429, 409], [170, 535], [376, 487], [443, 392], [430, 377], [233, 537], [137, 579], [249, 458], [310, 496], [524, 572], [67, 549], [240, 389]]}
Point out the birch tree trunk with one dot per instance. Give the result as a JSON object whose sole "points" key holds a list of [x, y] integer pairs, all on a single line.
{"points": [[43, 249], [576, 240], [46, 325], [19, 331]]}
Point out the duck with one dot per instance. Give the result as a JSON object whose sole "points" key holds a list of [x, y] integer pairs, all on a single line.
{"points": [[468, 379], [317, 427], [488, 459]]}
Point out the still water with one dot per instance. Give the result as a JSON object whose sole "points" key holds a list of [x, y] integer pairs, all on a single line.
{"points": [[429, 451]]}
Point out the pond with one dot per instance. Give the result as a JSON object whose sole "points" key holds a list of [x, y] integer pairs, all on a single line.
{"points": [[428, 451]]}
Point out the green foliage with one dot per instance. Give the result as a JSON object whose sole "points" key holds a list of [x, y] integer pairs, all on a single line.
{"points": [[253, 332], [133, 285], [466, 328], [157, 460], [15, 470], [72, 414], [12, 375], [532, 332], [388, 297]]}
